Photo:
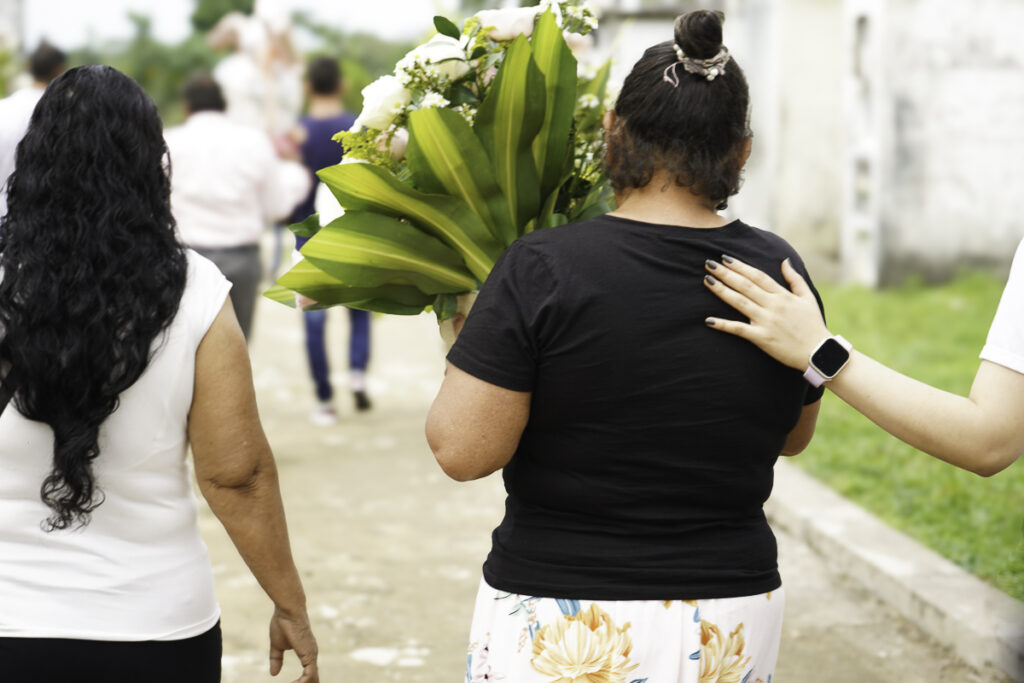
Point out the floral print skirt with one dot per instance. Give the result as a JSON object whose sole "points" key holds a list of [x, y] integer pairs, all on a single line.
{"points": [[523, 639]]}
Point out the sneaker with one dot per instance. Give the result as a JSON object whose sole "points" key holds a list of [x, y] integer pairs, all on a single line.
{"points": [[362, 400], [324, 415]]}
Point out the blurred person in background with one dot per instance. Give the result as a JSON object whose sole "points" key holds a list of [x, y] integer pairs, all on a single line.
{"points": [[261, 77], [324, 118], [45, 64], [228, 184], [119, 350], [637, 449], [982, 433]]}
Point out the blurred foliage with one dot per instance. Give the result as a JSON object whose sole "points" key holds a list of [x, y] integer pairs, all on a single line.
{"points": [[934, 335], [160, 69], [8, 69], [363, 57], [209, 12]]}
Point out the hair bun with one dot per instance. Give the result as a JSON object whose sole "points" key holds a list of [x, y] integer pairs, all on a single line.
{"points": [[699, 33]]}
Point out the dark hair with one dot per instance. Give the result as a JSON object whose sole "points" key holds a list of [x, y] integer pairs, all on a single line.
{"points": [[324, 76], [695, 131], [92, 272], [46, 62], [202, 93]]}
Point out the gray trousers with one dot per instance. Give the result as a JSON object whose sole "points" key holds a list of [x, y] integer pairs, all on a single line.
{"points": [[243, 269]]}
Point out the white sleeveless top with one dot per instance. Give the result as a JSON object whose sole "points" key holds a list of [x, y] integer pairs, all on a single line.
{"points": [[139, 570]]}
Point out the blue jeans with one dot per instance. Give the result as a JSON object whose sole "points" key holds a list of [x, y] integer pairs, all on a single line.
{"points": [[316, 350]]}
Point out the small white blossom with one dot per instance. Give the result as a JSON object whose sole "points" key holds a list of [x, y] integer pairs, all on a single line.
{"points": [[589, 101], [433, 100]]}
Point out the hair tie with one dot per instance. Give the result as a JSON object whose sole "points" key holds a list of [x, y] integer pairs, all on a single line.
{"points": [[710, 68]]}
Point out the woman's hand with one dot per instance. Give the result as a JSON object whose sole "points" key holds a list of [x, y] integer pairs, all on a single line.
{"points": [[292, 632], [787, 325]]}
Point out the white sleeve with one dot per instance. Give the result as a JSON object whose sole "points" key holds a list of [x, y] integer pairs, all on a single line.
{"points": [[285, 185], [1005, 344], [326, 204], [205, 292]]}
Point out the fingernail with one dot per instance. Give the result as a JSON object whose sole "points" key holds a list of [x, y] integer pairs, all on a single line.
{"points": [[709, 322], [710, 280], [726, 259], [710, 264]]}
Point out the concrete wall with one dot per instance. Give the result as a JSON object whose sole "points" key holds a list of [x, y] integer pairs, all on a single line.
{"points": [[953, 171], [887, 133]]}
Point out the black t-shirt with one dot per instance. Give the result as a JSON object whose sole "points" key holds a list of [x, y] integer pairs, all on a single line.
{"points": [[649, 450]]}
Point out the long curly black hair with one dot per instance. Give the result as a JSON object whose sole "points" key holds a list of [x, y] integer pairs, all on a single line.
{"points": [[696, 131], [90, 270]]}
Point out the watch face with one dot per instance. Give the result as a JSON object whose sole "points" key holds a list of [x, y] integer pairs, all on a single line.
{"points": [[830, 357]]}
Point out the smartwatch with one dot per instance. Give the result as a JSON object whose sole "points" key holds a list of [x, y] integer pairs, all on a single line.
{"points": [[827, 360]]}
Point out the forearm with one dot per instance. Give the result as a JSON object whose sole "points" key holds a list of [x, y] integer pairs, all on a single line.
{"points": [[950, 427], [253, 516]]}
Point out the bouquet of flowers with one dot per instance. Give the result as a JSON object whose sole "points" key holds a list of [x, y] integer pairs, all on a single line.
{"points": [[481, 135]]}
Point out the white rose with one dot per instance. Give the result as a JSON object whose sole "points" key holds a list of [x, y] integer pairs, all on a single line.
{"points": [[507, 24], [443, 55], [382, 101]]}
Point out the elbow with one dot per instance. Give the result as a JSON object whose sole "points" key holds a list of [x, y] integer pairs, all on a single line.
{"points": [[448, 457], [457, 467], [990, 458]]}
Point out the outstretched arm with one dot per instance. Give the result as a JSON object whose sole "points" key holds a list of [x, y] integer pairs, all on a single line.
{"points": [[982, 433], [237, 475]]}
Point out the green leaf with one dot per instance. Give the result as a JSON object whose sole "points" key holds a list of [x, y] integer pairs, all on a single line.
{"points": [[281, 295], [445, 306], [551, 148], [463, 95], [556, 219], [369, 250], [508, 120], [479, 52], [445, 156], [307, 228], [445, 27], [364, 187], [310, 281]]}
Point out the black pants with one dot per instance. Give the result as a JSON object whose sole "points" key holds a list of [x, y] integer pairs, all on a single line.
{"points": [[63, 660]]}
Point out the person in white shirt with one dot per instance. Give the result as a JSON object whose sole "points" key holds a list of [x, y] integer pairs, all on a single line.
{"points": [[45, 64], [119, 353], [982, 433], [227, 185]]}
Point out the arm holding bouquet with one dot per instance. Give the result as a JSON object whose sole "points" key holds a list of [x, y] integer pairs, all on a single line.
{"points": [[982, 433]]}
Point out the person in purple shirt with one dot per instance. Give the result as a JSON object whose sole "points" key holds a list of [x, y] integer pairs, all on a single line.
{"points": [[325, 117]]}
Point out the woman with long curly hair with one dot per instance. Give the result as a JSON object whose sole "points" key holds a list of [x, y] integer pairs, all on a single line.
{"points": [[118, 350], [636, 445]]}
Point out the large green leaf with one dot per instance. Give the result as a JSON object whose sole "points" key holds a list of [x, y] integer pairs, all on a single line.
{"points": [[310, 281], [508, 120], [446, 156], [371, 188], [369, 250], [551, 148]]}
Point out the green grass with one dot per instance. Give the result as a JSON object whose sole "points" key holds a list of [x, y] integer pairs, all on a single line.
{"points": [[933, 334]]}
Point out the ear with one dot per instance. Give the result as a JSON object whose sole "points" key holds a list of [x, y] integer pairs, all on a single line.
{"points": [[608, 122], [748, 145]]}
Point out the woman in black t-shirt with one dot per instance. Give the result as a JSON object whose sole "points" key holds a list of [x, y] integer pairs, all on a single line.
{"points": [[637, 446]]}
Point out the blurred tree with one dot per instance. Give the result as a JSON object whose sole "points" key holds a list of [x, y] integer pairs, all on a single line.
{"points": [[209, 12], [363, 57], [159, 68]]}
